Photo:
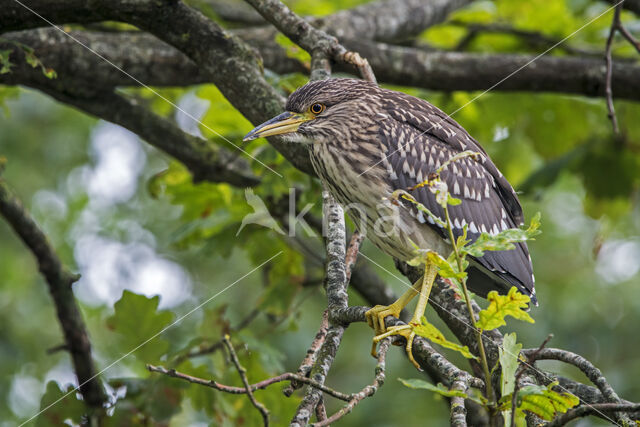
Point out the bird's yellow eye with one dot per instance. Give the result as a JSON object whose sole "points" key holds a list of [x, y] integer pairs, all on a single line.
{"points": [[317, 108]]}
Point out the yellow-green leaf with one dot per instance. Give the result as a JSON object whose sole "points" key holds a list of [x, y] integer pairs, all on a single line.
{"points": [[430, 332], [542, 401], [440, 389], [513, 304]]}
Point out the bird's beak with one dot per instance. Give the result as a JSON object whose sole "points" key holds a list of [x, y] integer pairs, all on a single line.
{"points": [[284, 123]]}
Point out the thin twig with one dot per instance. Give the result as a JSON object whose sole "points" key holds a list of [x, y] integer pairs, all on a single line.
{"points": [[212, 348], [368, 391], [312, 353], [287, 376], [243, 376], [352, 252], [627, 35], [533, 38]]}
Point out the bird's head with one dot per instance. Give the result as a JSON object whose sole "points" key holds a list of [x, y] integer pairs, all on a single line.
{"points": [[322, 111]]}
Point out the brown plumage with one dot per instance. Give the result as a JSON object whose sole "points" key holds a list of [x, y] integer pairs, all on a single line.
{"points": [[368, 141]]}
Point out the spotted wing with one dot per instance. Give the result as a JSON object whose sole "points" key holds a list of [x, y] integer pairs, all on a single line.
{"points": [[418, 140]]}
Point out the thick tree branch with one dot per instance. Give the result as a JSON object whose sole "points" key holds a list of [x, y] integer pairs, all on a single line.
{"points": [[141, 55], [163, 65], [206, 160], [390, 20], [466, 71], [385, 20], [59, 280]]}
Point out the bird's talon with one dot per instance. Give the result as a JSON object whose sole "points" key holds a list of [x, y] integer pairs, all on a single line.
{"points": [[405, 331], [376, 315]]}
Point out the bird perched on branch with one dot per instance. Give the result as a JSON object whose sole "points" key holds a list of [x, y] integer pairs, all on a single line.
{"points": [[366, 142]]}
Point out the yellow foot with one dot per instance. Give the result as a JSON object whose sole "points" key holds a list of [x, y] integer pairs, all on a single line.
{"points": [[376, 315], [405, 331]]}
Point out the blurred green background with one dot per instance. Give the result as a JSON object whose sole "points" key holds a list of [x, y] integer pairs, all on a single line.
{"points": [[128, 218]]}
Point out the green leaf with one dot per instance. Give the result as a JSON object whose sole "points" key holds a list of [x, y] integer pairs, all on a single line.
{"points": [[513, 304], [504, 240], [69, 408], [440, 389], [508, 355], [542, 401], [430, 332], [5, 63], [137, 320]]}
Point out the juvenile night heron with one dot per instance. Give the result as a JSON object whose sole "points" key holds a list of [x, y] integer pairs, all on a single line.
{"points": [[366, 142]]}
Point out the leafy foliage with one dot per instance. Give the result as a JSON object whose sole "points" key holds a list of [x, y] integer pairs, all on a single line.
{"points": [[137, 322], [70, 408], [513, 304], [558, 151], [542, 401]]}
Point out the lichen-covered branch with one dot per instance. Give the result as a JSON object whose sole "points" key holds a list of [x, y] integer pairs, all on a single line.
{"points": [[390, 20], [458, 408], [155, 63], [591, 372], [337, 299], [59, 280]]}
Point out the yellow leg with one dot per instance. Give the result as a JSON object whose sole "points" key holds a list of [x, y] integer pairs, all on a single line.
{"points": [[406, 330]]}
